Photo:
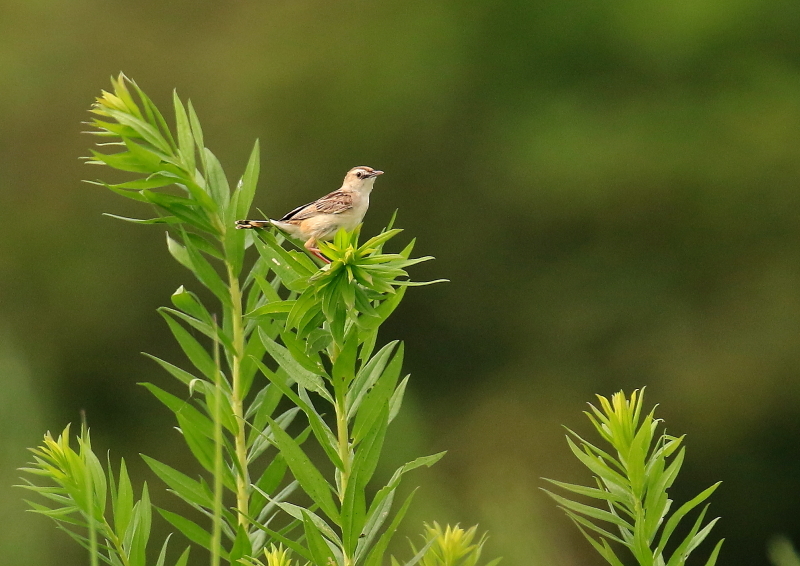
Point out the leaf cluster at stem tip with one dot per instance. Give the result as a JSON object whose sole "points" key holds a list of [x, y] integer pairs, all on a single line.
{"points": [[629, 503]]}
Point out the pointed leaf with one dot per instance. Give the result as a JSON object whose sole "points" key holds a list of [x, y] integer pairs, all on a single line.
{"points": [[249, 182], [187, 488], [310, 478], [302, 376], [319, 549]]}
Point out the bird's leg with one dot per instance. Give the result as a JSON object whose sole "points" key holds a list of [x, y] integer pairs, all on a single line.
{"points": [[310, 245]]}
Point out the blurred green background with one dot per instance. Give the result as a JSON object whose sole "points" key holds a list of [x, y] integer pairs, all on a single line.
{"points": [[612, 188]]}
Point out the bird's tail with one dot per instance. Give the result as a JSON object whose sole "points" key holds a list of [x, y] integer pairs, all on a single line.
{"points": [[251, 224]]}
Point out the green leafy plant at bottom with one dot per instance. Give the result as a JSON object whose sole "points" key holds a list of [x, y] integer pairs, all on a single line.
{"points": [[273, 556], [451, 546], [80, 496], [631, 484]]}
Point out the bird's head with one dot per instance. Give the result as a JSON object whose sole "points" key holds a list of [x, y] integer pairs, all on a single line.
{"points": [[361, 177]]}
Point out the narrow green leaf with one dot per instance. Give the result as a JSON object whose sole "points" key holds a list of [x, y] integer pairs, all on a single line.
{"points": [[599, 467], [266, 438], [249, 183], [698, 539], [159, 220], [353, 511], [184, 131], [147, 132], [319, 549], [398, 475], [287, 542], [268, 482], [206, 274], [590, 511], [199, 443], [375, 518], [369, 451], [588, 524], [154, 115], [197, 131], [178, 252], [217, 183], [189, 303], [178, 406], [162, 556], [375, 558], [297, 372], [123, 161], [344, 368], [604, 549], [253, 350], [678, 557], [310, 478], [321, 430], [209, 330], [587, 491], [678, 515], [291, 271], [241, 546], [306, 301], [142, 517], [204, 246], [377, 398], [712, 560], [187, 488], [422, 552], [378, 241], [297, 349], [184, 558], [262, 406], [397, 398], [190, 530], [122, 500], [150, 160], [370, 373], [272, 308], [234, 245], [181, 375], [297, 512], [192, 348]]}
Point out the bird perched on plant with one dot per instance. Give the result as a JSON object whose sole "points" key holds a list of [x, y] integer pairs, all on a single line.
{"points": [[321, 219]]}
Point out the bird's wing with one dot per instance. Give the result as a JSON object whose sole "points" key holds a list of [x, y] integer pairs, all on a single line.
{"points": [[334, 203]]}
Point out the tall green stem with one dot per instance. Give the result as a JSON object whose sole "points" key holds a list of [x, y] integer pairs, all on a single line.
{"points": [[344, 445], [237, 401], [216, 535], [344, 453]]}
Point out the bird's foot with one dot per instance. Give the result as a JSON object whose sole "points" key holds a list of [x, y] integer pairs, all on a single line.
{"points": [[317, 253]]}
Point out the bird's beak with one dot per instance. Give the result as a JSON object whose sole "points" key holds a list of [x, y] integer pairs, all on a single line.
{"points": [[376, 173]]}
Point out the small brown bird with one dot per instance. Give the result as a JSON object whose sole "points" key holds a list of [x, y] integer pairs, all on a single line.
{"points": [[321, 219]]}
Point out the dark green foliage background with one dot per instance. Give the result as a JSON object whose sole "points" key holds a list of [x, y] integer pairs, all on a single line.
{"points": [[613, 189]]}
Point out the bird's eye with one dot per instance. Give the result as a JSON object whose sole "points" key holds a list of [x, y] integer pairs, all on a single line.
{"points": [[359, 174]]}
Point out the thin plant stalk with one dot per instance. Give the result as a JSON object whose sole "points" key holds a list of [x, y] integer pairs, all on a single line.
{"points": [[216, 535], [237, 402], [93, 550]]}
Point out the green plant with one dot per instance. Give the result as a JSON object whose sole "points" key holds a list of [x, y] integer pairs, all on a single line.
{"points": [[451, 546], [631, 487], [284, 332]]}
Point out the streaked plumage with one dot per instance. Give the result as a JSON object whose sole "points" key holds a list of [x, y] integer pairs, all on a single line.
{"points": [[321, 219]]}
